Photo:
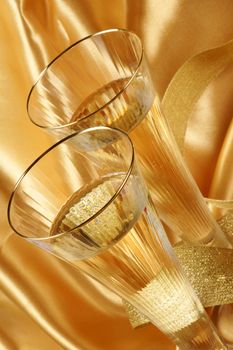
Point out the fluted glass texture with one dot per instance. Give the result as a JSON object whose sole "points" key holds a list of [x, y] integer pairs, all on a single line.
{"points": [[85, 201], [104, 80]]}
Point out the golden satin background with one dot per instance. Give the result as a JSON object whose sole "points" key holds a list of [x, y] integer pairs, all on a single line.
{"points": [[46, 304]]}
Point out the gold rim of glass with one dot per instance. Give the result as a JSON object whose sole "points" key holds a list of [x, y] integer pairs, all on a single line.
{"points": [[43, 72], [125, 179]]}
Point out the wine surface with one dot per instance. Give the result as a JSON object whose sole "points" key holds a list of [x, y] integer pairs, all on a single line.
{"points": [[124, 112], [113, 219]]}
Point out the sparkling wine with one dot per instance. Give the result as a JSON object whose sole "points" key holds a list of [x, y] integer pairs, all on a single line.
{"points": [[109, 226], [125, 248], [124, 112], [178, 199]]}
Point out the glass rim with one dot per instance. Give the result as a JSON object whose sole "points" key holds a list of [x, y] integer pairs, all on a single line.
{"points": [[43, 72], [41, 156]]}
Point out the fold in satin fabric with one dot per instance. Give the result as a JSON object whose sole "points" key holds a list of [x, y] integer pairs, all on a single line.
{"points": [[57, 306]]}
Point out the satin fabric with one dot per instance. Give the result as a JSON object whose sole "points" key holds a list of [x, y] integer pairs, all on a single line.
{"points": [[46, 304]]}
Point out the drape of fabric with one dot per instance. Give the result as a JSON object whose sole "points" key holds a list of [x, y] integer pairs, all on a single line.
{"points": [[46, 304]]}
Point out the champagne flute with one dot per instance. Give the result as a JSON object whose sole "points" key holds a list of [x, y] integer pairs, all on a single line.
{"points": [[102, 221], [103, 79]]}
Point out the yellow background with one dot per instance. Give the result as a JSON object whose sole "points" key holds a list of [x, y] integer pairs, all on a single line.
{"points": [[44, 303]]}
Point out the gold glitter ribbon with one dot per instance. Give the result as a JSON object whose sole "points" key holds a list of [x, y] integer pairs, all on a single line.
{"points": [[189, 83], [226, 223], [209, 270]]}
